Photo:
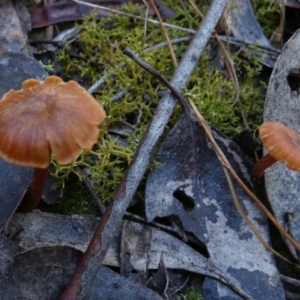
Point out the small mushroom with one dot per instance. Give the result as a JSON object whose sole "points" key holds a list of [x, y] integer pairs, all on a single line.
{"points": [[282, 144], [47, 117]]}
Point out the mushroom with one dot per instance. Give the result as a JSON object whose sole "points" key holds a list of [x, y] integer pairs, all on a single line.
{"points": [[47, 117], [283, 145]]}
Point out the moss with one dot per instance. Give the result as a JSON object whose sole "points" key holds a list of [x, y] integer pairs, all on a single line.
{"points": [[190, 293], [268, 15], [101, 43], [215, 97]]}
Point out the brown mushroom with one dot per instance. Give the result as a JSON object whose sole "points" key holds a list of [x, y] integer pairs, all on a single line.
{"points": [[282, 144], [47, 117]]}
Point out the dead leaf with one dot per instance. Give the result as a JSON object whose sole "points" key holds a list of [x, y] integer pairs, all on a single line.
{"points": [[44, 229], [41, 273], [109, 285], [14, 181], [161, 277], [8, 250], [244, 24], [144, 244], [176, 254], [245, 28]]}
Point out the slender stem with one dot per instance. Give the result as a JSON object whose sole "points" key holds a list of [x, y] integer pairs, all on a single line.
{"points": [[260, 167], [35, 190]]}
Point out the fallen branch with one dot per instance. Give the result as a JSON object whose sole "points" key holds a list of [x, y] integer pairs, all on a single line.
{"points": [[112, 218]]}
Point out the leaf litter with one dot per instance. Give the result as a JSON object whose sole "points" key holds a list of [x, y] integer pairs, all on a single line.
{"points": [[144, 245], [217, 223]]}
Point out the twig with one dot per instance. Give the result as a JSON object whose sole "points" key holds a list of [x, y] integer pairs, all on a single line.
{"points": [[146, 18], [119, 96], [112, 218], [265, 49], [293, 281], [156, 74], [163, 44], [165, 32], [245, 217]]}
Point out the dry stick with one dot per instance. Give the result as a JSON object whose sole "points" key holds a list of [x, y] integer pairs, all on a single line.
{"points": [[220, 154], [290, 280], [245, 217], [146, 18], [112, 218]]}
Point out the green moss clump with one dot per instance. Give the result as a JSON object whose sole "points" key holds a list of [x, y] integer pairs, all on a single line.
{"points": [[215, 96], [101, 44], [268, 15]]}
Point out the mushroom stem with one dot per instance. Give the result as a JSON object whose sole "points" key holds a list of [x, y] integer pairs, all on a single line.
{"points": [[35, 190], [260, 167]]}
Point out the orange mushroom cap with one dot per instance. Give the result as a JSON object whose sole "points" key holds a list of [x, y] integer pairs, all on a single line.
{"points": [[282, 143], [48, 116]]}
